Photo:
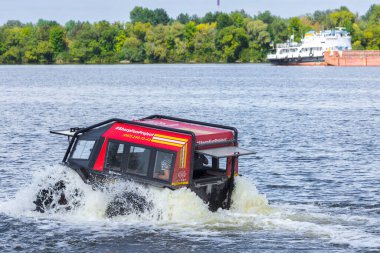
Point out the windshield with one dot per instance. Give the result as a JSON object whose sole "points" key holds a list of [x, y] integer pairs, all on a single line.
{"points": [[83, 149]]}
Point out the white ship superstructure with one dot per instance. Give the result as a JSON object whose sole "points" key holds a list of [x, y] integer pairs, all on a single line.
{"points": [[311, 48]]}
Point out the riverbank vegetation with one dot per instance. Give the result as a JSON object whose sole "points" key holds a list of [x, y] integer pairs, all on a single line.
{"points": [[152, 36]]}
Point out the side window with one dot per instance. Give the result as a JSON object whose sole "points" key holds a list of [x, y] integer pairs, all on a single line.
{"points": [[201, 161], [163, 165], [83, 149], [138, 160], [114, 156], [223, 163]]}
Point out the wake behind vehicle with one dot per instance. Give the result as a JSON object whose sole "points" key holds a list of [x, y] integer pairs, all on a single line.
{"points": [[160, 151]]}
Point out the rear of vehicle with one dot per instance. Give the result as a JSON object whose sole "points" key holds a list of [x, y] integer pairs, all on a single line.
{"points": [[214, 158]]}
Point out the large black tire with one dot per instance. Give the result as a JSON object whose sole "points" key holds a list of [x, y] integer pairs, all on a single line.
{"points": [[45, 199], [127, 203]]}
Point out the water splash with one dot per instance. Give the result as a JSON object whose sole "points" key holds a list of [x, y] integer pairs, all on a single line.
{"points": [[80, 196], [247, 199], [181, 210]]}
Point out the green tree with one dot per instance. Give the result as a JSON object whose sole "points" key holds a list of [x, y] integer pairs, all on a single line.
{"points": [[371, 38], [140, 30], [231, 41], [43, 28], [73, 28], [160, 17], [145, 15], [133, 50], [106, 35], [259, 39], [372, 16], [175, 43], [278, 30], [322, 18], [343, 18], [57, 39], [120, 40], [223, 20], [237, 18], [295, 27], [80, 50], [204, 43], [196, 19], [12, 56], [266, 17], [189, 33], [183, 18], [30, 56], [140, 14], [210, 17], [156, 46], [44, 52], [14, 23]]}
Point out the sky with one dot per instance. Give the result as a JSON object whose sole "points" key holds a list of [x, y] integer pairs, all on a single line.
{"points": [[118, 10]]}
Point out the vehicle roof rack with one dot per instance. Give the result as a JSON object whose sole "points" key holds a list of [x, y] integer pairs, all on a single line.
{"points": [[158, 116]]}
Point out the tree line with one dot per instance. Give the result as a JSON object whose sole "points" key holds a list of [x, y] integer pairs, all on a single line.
{"points": [[152, 36]]}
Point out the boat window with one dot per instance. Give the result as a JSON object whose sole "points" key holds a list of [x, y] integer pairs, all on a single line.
{"points": [[138, 160], [215, 163], [83, 149], [114, 158], [206, 161], [207, 166], [223, 163], [163, 165]]}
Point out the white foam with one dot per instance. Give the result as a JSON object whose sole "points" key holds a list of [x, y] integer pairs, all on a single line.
{"points": [[181, 210], [247, 199]]}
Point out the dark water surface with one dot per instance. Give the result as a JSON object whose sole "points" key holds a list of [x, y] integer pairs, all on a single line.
{"points": [[316, 131]]}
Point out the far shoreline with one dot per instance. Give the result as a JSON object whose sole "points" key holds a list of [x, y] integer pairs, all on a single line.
{"points": [[136, 63]]}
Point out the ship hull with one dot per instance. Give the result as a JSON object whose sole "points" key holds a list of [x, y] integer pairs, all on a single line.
{"points": [[310, 61], [358, 58]]}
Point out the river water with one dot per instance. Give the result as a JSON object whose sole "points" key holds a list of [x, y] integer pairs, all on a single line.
{"points": [[314, 185]]}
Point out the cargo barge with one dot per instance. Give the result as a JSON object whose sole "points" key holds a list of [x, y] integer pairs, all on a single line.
{"points": [[361, 58]]}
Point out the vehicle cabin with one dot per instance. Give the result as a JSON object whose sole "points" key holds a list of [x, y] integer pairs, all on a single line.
{"points": [[161, 151]]}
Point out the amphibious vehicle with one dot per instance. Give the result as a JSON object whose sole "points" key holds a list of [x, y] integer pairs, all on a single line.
{"points": [[161, 151]]}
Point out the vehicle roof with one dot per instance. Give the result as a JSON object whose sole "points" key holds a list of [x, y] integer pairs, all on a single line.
{"points": [[204, 134]]}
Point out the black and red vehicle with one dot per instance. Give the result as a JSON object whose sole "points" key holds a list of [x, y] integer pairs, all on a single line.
{"points": [[161, 151]]}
